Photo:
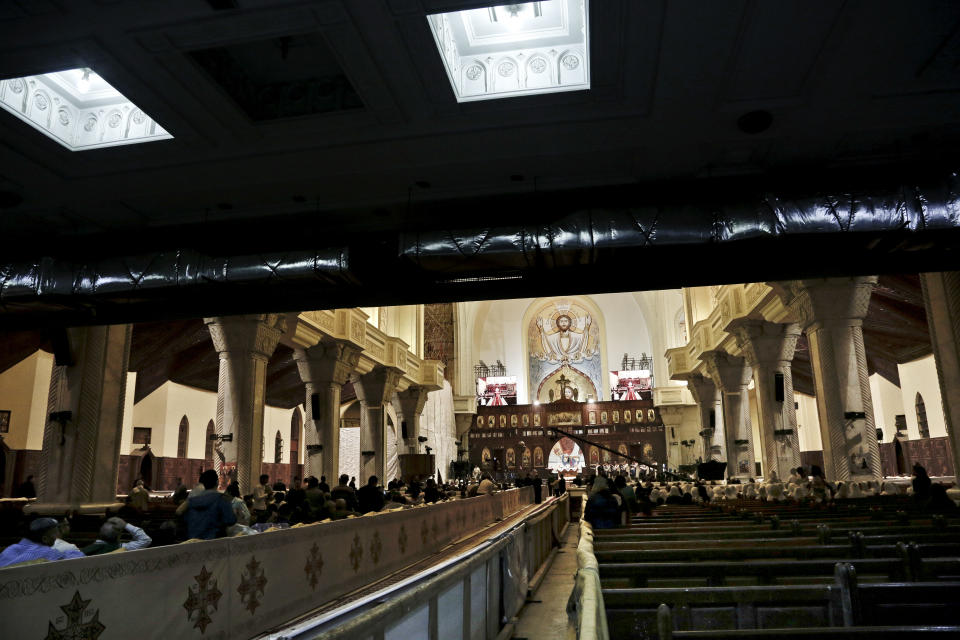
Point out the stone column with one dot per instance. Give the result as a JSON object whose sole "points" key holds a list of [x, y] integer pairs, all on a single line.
{"points": [[244, 344], [732, 375], [941, 297], [411, 404], [324, 368], [831, 311], [768, 348], [374, 391], [81, 445], [672, 416], [707, 397]]}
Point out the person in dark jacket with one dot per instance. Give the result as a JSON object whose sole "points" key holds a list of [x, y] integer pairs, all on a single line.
{"points": [[430, 492], [602, 510], [208, 513], [370, 497], [921, 483], [345, 493]]}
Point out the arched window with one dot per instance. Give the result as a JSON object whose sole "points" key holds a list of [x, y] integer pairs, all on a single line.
{"points": [[182, 437], [922, 418], [208, 443], [278, 448], [296, 426]]}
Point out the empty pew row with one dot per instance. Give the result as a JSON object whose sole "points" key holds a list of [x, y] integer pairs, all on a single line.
{"points": [[844, 603], [763, 570]]}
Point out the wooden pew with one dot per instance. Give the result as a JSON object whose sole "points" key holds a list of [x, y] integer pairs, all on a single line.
{"points": [[718, 573], [633, 612]]}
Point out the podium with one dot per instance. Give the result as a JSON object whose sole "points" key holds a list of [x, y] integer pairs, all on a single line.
{"points": [[415, 464]]}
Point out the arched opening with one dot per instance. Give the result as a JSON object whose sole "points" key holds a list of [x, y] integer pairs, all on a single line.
{"points": [[296, 427], [901, 460], [182, 437], [278, 448], [922, 418], [566, 457], [208, 442]]}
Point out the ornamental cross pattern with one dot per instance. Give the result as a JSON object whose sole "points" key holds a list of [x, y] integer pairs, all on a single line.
{"points": [[200, 597], [76, 628], [252, 583], [314, 566], [375, 547], [356, 552], [402, 538]]}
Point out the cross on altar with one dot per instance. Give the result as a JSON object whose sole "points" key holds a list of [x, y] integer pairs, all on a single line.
{"points": [[562, 383]]}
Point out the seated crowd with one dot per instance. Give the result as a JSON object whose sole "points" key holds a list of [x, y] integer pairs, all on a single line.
{"points": [[613, 500], [206, 513]]}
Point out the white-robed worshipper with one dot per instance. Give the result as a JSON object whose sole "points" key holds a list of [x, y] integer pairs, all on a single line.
{"points": [[750, 491], [843, 490], [799, 492], [730, 492]]}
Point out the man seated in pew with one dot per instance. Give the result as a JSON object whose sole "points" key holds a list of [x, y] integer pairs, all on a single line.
{"points": [[109, 538], [939, 500], [602, 510], [37, 545]]}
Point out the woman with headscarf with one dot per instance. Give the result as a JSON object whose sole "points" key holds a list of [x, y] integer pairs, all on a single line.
{"points": [[674, 496]]}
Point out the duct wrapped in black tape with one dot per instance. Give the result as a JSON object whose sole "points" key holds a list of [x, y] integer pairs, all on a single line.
{"points": [[183, 270], [583, 236]]}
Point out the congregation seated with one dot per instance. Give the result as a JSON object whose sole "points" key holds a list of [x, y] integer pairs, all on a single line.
{"points": [[207, 513], [370, 497], [37, 545], [345, 492], [109, 538]]}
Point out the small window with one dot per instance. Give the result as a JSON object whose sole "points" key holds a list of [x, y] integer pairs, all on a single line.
{"points": [[141, 435], [922, 418], [182, 437]]}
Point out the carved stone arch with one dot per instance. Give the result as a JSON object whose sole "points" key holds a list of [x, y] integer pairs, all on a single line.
{"points": [[561, 63], [505, 73], [40, 99], [533, 69], [468, 70]]}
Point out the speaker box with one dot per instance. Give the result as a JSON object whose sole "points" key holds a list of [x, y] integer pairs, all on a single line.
{"points": [[778, 387], [879, 435], [403, 429], [314, 405], [713, 418]]}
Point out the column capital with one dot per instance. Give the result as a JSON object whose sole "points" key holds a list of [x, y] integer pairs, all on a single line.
{"points": [[256, 335], [731, 373], [763, 342], [672, 415], [330, 360], [376, 387], [412, 400], [824, 301], [702, 388]]}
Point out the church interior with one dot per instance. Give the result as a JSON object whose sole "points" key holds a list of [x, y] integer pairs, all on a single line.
{"points": [[462, 319]]}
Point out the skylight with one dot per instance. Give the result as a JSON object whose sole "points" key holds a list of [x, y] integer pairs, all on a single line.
{"points": [[78, 109], [517, 49]]}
